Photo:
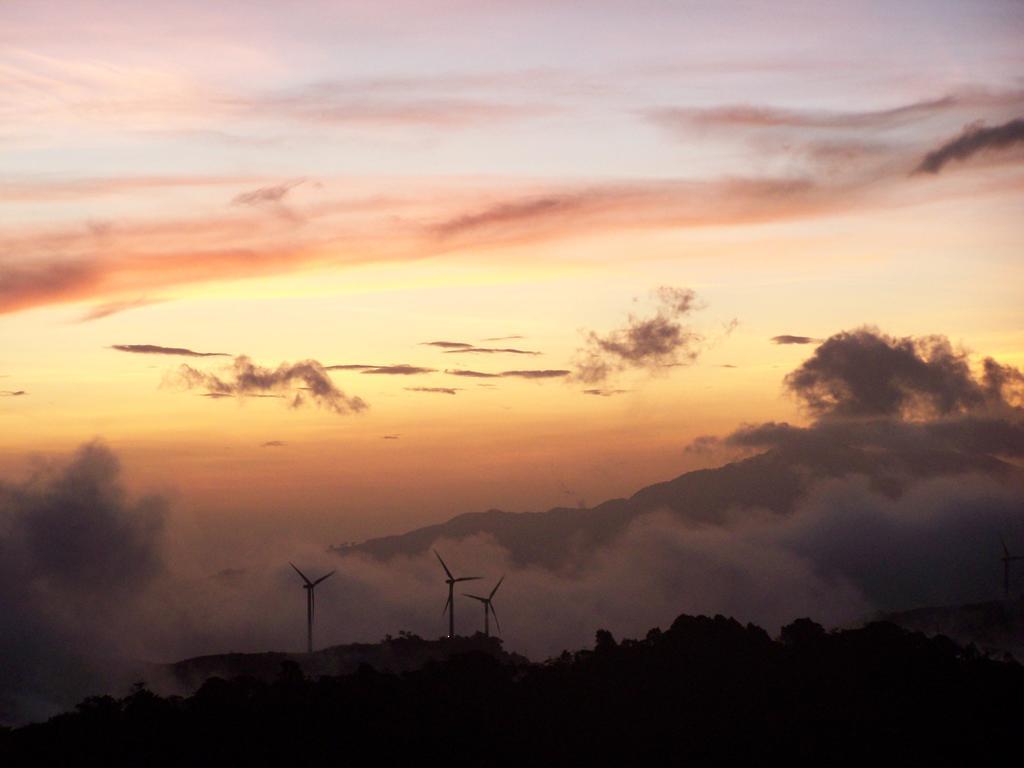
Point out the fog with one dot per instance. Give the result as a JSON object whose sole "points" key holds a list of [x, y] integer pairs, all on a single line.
{"points": [[94, 581]]}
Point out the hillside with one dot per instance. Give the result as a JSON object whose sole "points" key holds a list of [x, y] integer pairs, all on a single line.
{"points": [[775, 480]]}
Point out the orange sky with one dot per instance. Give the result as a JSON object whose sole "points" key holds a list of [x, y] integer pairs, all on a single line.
{"points": [[289, 189]]}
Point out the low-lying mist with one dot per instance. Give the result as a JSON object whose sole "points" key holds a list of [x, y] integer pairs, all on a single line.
{"points": [[87, 590]]}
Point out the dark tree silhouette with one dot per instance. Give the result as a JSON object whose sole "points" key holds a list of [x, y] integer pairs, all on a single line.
{"points": [[706, 691]]}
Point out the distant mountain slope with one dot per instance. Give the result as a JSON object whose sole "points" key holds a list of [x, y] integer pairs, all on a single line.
{"points": [[400, 654], [774, 480], [994, 627]]}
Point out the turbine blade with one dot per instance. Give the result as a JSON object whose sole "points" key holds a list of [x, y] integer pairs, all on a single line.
{"points": [[468, 578], [1006, 552], [300, 573], [496, 586], [446, 604], [476, 597], [444, 566], [322, 578], [494, 613]]}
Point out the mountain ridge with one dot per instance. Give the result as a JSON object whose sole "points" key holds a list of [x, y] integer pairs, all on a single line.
{"points": [[774, 480]]}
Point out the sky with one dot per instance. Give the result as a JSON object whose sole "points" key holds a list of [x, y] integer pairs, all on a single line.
{"points": [[634, 218]]}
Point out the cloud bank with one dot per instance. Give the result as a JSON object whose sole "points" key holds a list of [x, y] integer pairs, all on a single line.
{"points": [[78, 559]]}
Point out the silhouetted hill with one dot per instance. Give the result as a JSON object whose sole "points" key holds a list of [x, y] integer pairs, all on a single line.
{"points": [[704, 692], [393, 654], [995, 627], [774, 480]]}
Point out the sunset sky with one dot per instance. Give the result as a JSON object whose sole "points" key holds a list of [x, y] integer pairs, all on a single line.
{"points": [[346, 182]]}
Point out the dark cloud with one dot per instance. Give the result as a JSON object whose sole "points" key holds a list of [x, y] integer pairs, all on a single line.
{"points": [[645, 343], [535, 374], [264, 195], [865, 373], [975, 139], [446, 344], [964, 435], [901, 396], [78, 556], [13, 392], [248, 379], [113, 307], [489, 351], [471, 374], [398, 370], [274, 444], [153, 349], [787, 339], [526, 374], [389, 437], [435, 390], [605, 392], [349, 367]]}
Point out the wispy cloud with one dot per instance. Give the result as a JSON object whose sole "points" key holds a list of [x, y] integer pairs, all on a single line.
{"points": [[974, 140], [271, 198], [264, 195], [760, 116], [153, 349], [526, 374], [446, 344], [605, 392], [113, 307], [471, 374], [489, 351], [535, 374], [434, 390], [13, 393], [398, 370], [46, 266], [248, 379], [274, 444], [349, 367]]}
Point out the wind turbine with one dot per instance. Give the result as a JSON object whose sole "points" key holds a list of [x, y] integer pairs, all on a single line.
{"points": [[309, 586], [1007, 558], [488, 608], [450, 605]]}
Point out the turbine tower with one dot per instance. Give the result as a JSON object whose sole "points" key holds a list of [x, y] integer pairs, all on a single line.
{"points": [[1007, 558], [309, 586], [489, 608], [450, 605]]}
